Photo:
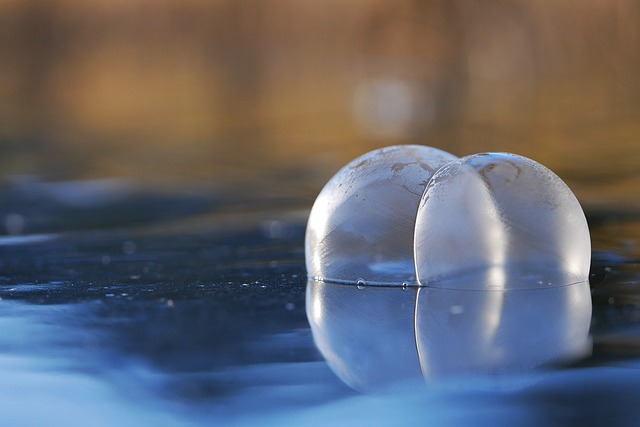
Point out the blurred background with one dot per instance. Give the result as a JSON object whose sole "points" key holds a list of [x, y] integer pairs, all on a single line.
{"points": [[274, 96]]}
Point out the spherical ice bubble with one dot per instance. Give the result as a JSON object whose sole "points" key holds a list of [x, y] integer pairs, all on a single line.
{"points": [[361, 226], [504, 217]]}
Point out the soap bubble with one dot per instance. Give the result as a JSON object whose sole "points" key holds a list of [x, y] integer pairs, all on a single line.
{"points": [[502, 247], [461, 331], [503, 215], [366, 334], [361, 225]]}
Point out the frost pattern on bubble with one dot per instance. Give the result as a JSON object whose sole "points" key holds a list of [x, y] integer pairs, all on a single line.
{"points": [[361, 225], [504, 216]]}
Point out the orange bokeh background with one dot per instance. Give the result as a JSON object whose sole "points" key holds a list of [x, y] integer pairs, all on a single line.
{"points": [[279, 94]]}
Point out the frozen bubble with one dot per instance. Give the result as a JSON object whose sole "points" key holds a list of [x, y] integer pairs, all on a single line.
{"points": [[501, 246], [361, 225], [366, 335], [502, 216]]}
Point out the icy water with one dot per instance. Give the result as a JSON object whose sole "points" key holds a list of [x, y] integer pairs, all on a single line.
{"points": [[183, 320]]}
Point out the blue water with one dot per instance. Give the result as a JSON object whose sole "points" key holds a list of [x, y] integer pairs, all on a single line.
{"points": [[199, 323], [60, 366]]}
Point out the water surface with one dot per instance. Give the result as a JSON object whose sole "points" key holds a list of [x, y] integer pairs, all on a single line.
{"points": [[200, 320]]}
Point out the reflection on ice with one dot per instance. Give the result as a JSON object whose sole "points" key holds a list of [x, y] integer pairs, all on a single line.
{"points": [[373, 337], [49, 376], [365, 334], [25, 239], [464, 331], [63, 365]]}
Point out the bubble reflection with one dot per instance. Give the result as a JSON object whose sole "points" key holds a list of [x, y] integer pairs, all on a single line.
{"points": [[366, 333], [373, 337]]}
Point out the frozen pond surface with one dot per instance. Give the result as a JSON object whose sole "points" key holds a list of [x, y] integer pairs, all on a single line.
{"points": [[203, 323]]}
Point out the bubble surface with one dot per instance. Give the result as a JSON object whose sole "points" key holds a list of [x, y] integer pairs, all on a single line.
{"points": [[361, 226], [503, 216]]}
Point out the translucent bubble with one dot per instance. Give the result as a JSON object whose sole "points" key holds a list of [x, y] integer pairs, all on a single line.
{"points": [[365, 334], [361, 225], [505, 217], [501, 246]]}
